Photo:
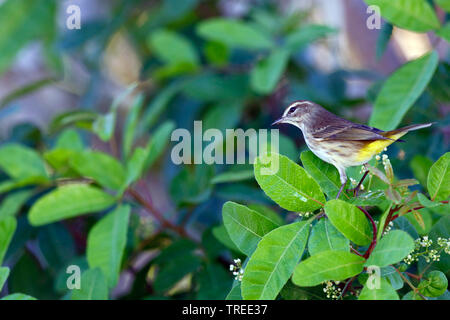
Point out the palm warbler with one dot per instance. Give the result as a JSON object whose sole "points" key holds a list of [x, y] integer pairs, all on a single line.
{"points": [[338, 141]]}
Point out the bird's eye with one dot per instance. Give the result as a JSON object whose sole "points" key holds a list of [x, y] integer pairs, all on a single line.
{"points": [[291, 110]]}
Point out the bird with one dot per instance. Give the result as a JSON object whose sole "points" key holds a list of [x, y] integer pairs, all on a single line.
{"points": [[338, 141]]}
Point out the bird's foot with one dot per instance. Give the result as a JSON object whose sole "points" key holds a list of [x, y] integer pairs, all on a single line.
{"points": [[353, 191]]}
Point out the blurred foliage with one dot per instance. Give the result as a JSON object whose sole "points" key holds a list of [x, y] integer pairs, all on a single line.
{"points": [[97, 187]]}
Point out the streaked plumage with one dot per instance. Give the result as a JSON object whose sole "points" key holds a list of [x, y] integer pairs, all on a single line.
{"points": [[338, 141]]}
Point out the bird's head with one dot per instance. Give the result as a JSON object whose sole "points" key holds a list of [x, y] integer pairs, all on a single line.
{"points": [[297, 113]]}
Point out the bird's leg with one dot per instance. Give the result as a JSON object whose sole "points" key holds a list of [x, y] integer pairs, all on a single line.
{"points": [[343, 181], [355, 191], [358, 186], [340, 190]]}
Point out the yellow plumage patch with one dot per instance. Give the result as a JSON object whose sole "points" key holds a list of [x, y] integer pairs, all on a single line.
{"points": [[369, 150]]}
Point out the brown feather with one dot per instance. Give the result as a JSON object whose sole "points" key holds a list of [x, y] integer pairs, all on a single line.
{"points": [[328, 126]]}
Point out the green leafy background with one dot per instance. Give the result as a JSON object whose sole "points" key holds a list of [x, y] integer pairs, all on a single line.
{"points": [[86, 171]]}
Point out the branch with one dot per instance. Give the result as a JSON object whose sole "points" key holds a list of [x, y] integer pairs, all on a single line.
{"points": [[374, 230], [410, 284], [158, 215], [368, 252]]}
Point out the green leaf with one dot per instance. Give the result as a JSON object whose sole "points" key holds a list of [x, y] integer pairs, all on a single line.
{"points": [[93, 286], [29, 277], [101, 167], [324, 237], [441, 229], [157, 106], [246, 227], [172, 48], [4, 273], [373, 198], [222, 116], [192, 187], [57, 245], [327, 265], [25, 90], [420, 166], [391, 249], [421, 220], [213, 281], [350, 221], [221, 234], [265, 75], [21, 162], [384, 292], [69, 139], [216, 53], [103, 126], [81, 118], [305, 35], [415, 15], [233, 33], [438, 181], [444, 4], [18, 296], [18, 29], [427, 203], [290, 186], [213, 87], [135, 166], [67, 202], [401, 90], [12, 203], [269, 213], [159, 141], [7, 228], [383, 39], [175, 262], [433, 284], [233, 176], [324, 173], [382, 222], [106, 243], [273, 261], [235, 293], [131, 123], [393, 277], [444, 32]]}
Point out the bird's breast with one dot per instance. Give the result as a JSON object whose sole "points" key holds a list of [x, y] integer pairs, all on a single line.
{"points": [[338, 153]]}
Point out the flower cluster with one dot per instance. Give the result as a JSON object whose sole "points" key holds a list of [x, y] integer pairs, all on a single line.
{"points": [[331, 289], [423, 248], [145, 227], [305, 214], [237, 270], [388, 228], [444, 244]]}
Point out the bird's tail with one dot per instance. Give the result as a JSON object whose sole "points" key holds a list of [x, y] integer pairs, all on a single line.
{"points": [[397, 133]]}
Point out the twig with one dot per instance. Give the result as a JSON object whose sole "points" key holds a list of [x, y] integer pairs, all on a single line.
{"points": [[368, 252], [355, 251], [374, 230], [417, 277], [347, 286], [355, 191], [158, 215], [414, 209], [410, 284]]}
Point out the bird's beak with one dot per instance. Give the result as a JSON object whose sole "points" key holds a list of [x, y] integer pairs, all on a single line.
{"points": [[278, 121]]}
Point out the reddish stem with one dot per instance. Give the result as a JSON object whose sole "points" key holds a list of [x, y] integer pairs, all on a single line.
{"points": [[368, 252], [374, 230], [398, 208], [356, 252], [157, 214]]}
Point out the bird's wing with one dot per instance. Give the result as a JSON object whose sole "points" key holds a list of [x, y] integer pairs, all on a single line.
{"points": [[352, 132]]}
